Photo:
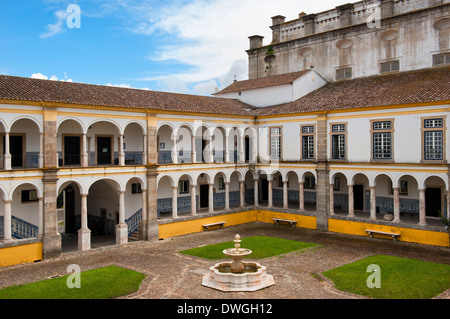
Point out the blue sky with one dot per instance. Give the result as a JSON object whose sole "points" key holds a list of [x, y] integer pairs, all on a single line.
{"points": [[184, 46]]}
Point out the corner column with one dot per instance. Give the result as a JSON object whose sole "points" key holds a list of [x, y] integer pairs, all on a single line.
{"points": [[422, 208], [84, 233]]}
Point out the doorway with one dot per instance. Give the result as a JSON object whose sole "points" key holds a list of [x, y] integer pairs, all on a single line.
{"points": [[433, 202], [72, 150], [204, 196], [247, 149], [264, 190], [104, 150], [358, 197], [15, 149]]}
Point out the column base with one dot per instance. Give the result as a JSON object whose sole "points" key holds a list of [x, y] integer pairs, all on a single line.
{"points": [[51, 246], [121, 234], [84, 239]]}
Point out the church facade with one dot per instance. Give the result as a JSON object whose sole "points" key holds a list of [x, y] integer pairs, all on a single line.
{"points": [[341, 127]]}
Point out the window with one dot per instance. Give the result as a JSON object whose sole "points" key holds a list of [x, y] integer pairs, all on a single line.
{"points": [[29, 196], [275, 142], [338, 141], [310, 182], [221, 183], [308, 142], [337, 184], [183, 187], [136, 188], [382, 140], [344, 73], [441, 59], [433, 139], [390, 66]]}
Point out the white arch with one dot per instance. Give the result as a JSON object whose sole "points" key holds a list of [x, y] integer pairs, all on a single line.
{"points": [[38, 188], [135, 122], [351, 181], [115, 181], [117, 125], [171, 178], [397, 180], [141, 181], [61, 184], [25, 117], [68, 118], [333, 175], [423, 182]]}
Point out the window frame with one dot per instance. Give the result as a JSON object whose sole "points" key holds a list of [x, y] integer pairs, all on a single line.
{"points": [[308, 135], [391, 70], [280, 137], [374, 131], [345, 135], [425, 130], [181, 188]]}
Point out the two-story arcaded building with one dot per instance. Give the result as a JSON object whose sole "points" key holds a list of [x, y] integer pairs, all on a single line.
{"points": [[323, 133]]}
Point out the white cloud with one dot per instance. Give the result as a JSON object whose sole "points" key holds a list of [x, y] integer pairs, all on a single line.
{"points": [[212, 36], [52, 78], [57, 27]]}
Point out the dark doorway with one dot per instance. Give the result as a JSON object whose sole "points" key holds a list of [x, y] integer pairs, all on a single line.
{"points": [[247, 149], [69, 194], [264, 190], [358, 197], [104, 150], [15, 149], [204, 144], [433, 202], [72, 150], [204, 196]]}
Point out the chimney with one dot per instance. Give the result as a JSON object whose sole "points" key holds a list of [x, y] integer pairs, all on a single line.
{"points": [[310, 23], [277, 21], [345, 14], [256, 41]]}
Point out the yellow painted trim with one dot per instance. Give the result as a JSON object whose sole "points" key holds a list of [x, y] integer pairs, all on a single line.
{"points": [[20, 254], [406, 234]]}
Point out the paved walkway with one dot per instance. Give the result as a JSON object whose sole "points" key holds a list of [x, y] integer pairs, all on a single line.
{"points": [[175, 276]]}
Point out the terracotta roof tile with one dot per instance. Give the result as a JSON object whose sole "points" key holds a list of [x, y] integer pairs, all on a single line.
{"points": [[267, 81], [27, 89], [426, 85]]}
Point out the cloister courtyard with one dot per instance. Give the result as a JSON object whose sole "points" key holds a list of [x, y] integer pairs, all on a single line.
{"points": [[172, 275]]}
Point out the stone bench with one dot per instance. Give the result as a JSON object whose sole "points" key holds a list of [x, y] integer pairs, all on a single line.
{"points": [[371, 232], [207, 226], [289, 221]]}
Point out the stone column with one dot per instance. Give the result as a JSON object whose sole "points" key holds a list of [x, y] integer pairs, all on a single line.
{"points": [[51, 240], [396, 205], [241, 194], [373, 206], [448, 204], [256, 192], [301, 195], [227, 150], [193, 151], [144, 220], [422, 208], [227, 195], [144, 153], [193, 200], [7, 222], [121, 152], [151, 230], [241, 150], [121, 227], [285, 195], [174, 150], [211, 198], [84, 152], [269, 194], [84, 233], [322, 191], [41, 150], [331, 199], [41, 218], [174, 201], [7, 156], [351, 202]]}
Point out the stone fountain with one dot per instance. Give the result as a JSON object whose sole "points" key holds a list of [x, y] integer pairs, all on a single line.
{"points": [[238, 275]]}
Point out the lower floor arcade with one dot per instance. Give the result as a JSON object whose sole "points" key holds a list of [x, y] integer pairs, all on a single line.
{"points": [[99, 211]]}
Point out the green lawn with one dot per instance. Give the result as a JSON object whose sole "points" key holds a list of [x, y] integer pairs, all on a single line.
{"points": [[261, 247], [400, 278], [102, 283]]}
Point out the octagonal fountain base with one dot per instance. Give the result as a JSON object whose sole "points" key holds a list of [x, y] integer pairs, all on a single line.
{"points": [[253, 278]]}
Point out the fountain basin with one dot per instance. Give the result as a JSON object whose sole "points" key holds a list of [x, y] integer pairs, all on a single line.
{"points": [[254, 277]]}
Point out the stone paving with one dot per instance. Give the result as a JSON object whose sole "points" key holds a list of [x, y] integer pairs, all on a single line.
{"points": [[172, 275]]}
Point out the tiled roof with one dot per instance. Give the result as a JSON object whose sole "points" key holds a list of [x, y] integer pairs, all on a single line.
{"points": [[421, 86], [36, 90], [267, 81]]}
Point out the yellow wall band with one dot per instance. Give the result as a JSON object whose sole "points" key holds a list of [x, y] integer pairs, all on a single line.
{"points": [[20, 254]]}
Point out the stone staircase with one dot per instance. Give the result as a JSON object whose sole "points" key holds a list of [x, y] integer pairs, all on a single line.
{"points": [[136, 236]]}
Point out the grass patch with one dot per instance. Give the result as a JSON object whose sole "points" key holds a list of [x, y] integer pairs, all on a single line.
{"points": [[261, 247], [401, 278], [103, 283]]}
